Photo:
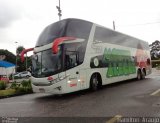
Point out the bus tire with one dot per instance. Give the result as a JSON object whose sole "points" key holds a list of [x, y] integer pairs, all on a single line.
{"points": [[139, 75], [143, 74], [95, 82]]}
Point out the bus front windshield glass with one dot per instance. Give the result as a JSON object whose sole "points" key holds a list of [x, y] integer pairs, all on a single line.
{"points": [[46, 63]]}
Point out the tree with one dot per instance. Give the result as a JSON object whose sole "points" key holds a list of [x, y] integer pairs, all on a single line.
{"points": [[10, 57], [19, 50], [22, 65], [155, 50]]}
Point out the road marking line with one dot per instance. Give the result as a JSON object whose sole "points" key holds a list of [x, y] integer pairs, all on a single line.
{"points": [[115, 119], [155, 93]]}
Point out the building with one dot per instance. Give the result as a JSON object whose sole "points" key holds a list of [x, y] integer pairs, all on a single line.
{"points": [[6, 68]]}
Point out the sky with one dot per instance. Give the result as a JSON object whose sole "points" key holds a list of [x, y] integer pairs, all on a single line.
{"points": [[22, 21]]}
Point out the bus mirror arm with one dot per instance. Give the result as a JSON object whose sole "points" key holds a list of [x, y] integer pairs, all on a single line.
{"points": [[58, 41], [24, 52]]}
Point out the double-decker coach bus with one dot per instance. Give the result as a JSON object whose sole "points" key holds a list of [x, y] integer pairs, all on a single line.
{"points": [[74, 54]]}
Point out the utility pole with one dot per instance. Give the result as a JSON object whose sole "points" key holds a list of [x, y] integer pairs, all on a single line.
{"points": [[59, 10], [26, 61], [114, 28], [16, 57]]}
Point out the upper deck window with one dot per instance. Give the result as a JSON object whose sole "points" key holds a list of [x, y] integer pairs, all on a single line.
{"points": [[68, 27], [106, 35]]}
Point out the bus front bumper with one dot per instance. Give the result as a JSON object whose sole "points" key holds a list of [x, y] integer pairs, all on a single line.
{"points": [[53, 89]]}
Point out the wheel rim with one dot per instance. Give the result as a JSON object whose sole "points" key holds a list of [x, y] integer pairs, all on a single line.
{"points": [[95, 82]]}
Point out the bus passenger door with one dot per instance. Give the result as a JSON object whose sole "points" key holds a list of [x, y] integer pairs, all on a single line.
{"points": [[72, 70], [73, 79]]}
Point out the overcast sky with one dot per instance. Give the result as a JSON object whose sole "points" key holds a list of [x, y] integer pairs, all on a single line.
{"points": [[23, 20]]}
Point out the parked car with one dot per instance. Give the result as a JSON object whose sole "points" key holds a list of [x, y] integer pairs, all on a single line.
{"points": [[23, 74], [16, 75]]}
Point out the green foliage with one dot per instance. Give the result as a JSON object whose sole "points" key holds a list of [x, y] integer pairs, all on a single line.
{"points": [[3, 85], [154, 50], [11, 77], [16, 77], [15, 86], [15, 89], [19, 50], [21, 90], [155, 64], [158, 67], [27, 86], [22, 65], [10, 57], [25, 83], [23, 87]]}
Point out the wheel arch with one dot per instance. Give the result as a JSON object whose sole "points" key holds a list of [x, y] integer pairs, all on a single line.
{"points": [[142, 72]]}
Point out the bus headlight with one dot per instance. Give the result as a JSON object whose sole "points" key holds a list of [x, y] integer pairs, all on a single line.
{"points": [[68, 81]]}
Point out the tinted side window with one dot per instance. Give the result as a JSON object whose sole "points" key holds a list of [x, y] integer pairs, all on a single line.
{"points": [[109, 36], [74, 54], [68, 27], [51, 32], [24, 72], [101, 34], [78, 29]]}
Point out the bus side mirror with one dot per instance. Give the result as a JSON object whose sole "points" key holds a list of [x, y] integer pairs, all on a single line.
{"points": [[59, 41]]}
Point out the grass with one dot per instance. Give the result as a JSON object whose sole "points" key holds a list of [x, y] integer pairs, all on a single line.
{"points": [[16, 89], [7, 92]]}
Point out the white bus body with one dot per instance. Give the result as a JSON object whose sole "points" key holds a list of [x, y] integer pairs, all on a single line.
{"points": [[73, 54]]}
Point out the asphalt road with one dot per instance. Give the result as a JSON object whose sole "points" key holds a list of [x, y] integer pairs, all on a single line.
{"points": [[128, 99]]}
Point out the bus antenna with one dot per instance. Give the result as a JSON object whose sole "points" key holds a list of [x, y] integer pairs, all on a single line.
{"points": [[59, 10]]}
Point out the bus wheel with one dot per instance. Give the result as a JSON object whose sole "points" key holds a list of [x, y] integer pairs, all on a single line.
{"points": [[94, 82], [143, 74], [139, 75]]}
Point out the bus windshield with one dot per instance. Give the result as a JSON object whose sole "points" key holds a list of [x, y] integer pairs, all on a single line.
{"points": [[46, 63]]}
